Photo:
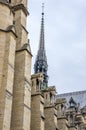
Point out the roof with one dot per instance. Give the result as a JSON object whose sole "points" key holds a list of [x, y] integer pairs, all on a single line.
{"points": [[3, 1], [79, 97]]}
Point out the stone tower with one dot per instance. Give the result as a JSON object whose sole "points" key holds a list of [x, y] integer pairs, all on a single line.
{"points": [[15, 66], [37, 103], [21, 108], [7, 62], [41, 65]]}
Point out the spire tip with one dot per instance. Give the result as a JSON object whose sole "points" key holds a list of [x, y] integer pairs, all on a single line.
{"points": [[42, 8]]}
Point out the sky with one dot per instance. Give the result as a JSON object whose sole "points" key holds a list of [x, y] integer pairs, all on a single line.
{"points": [[65, 41]]}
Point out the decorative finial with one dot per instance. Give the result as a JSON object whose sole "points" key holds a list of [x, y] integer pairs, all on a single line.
{"points": [[42, 8]]}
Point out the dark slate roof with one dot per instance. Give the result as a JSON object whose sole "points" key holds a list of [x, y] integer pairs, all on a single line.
{"points": [[3, 1], [79, 97]]}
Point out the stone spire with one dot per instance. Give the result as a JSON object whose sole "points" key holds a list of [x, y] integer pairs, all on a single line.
{"points": [[41, 59]]}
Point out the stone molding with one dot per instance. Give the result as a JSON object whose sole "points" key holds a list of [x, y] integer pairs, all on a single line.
{"points": [[6, 31], [20, 6]]}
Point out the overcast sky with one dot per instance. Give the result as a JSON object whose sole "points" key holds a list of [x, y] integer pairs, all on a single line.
{"points": [[65, 41]]}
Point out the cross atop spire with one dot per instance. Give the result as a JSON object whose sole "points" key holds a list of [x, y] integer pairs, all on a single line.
{"points": [[41, 59]]}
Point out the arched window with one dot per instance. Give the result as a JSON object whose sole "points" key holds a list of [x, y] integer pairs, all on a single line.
{"points": [[9, 1], [37, 82], [46, 96], [32, 83]]}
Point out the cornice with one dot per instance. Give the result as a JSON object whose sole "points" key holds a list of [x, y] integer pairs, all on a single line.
{"points": [[9, 31], [36, 94], [24, 49], [20, 6]]}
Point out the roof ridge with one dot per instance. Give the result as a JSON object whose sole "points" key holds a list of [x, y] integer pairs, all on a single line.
{"points": [[76, 92]]}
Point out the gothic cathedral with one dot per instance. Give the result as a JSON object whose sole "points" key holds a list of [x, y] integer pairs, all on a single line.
{"points": [[26, 101]]}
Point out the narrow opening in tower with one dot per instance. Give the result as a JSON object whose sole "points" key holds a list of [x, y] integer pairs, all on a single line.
{"points": [[9, 1]]}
